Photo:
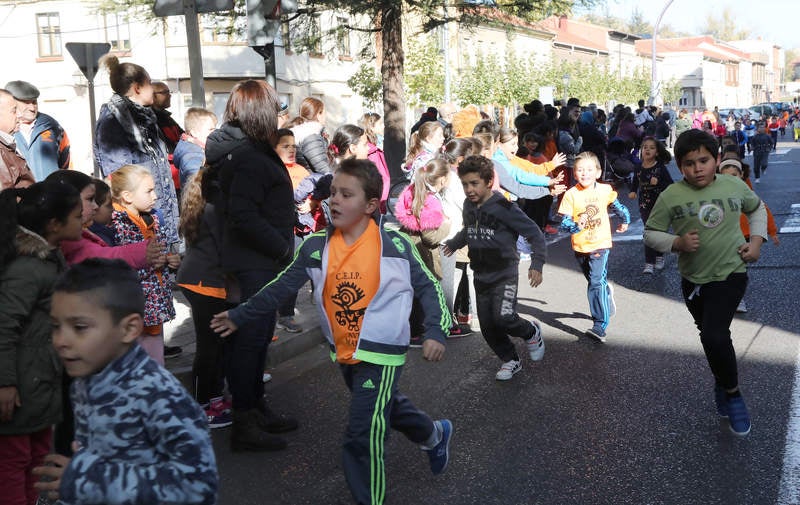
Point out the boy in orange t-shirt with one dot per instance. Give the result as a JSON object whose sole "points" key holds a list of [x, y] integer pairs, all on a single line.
{"points": [[585, 211], [367, 278]]}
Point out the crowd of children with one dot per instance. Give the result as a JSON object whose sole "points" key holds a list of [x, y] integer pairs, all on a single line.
{"points": [[87, 274]]}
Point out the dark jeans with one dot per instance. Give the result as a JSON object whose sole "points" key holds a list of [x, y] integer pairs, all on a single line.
{"points": [[208, 368], [760, 161], [497, 314], [594, 266], [650, 254], [713, 306], [246, 350], [375, 405]]}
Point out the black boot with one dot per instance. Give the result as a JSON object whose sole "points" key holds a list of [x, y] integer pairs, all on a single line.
{"points": [[247, 435], [271, 422]]}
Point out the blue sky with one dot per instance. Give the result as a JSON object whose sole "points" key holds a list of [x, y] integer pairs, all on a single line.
{"points": [[771, 19]]}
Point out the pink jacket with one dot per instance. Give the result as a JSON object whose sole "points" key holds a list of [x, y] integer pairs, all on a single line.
{"points": [[92, 246], [431, 216], [376, 156]]}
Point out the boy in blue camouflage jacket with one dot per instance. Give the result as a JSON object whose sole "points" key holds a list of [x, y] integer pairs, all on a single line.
{"points": [[139, 436]]}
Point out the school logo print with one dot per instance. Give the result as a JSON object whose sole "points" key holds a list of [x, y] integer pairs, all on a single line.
{"points": [[315, 255], [346, 296], [711, 215], [398, 243], [587, 218]]}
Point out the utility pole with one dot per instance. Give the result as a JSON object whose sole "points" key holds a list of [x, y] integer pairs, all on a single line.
{"points": [[654, 84]]}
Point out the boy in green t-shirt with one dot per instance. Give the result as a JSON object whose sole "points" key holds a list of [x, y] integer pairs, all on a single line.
{"points": [[365, 279], [703, 210]]}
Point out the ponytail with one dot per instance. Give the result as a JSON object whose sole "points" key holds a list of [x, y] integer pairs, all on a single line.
{"points": [[424, 178], [415, 146]]}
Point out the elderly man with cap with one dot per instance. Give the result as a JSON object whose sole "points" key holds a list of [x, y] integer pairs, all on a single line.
{"points": [[40, 139], [14, 172]]}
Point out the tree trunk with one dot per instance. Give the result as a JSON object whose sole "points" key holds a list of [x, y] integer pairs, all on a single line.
{"points": [[394, 102]]}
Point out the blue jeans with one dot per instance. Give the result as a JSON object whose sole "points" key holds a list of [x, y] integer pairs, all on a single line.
{"points": [[246, 350], [594, 266]]}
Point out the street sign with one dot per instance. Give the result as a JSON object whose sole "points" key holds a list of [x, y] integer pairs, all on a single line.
{"points": [[87, 54], [164, 8]]}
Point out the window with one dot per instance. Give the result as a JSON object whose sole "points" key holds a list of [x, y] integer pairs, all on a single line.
{"points": [[343, 38], [118, 32], [48, 28], [216, 28]]}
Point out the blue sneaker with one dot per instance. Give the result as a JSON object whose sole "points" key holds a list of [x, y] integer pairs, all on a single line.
{"points": [[440, 454], [721, 400], [597, 334], [738, 416]]}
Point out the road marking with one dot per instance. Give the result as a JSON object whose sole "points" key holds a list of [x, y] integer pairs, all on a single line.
{"points": [[789, 490], [792, 223]]}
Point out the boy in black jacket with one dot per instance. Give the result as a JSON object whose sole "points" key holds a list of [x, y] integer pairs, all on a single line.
{"points": [[491, 227]]}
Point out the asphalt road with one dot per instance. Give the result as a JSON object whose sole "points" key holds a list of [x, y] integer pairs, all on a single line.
{"points": [[631, 421]]}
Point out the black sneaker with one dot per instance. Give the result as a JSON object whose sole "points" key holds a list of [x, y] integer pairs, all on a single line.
{"points": [[459, 330], [171, 351]]}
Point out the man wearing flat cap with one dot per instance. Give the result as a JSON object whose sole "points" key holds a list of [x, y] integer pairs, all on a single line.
{"points": [[40, 139], [14, 172]]}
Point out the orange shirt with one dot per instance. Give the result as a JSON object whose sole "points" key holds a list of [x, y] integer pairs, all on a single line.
{"points": [[351, 281], [744, 223], [590, 206], [297, 173]]}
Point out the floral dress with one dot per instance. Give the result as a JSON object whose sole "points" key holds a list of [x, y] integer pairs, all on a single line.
{"points": [[156, 283]]}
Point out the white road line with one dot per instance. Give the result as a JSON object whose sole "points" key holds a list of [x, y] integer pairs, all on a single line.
{"points": [[792, 223], [789, 490]]}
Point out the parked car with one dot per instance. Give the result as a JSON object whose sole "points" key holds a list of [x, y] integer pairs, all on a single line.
{"points": [[763, 109]]}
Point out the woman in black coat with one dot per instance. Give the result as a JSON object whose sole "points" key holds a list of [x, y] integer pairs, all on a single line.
{"points": [[258, 209]]}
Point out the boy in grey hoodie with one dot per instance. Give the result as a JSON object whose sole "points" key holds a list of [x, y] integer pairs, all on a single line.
{"points": [[491, 227]]}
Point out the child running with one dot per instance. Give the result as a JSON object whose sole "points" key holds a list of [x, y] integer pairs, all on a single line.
{"points": [[133, 191], [738, 169], [366, 278], [33, 221], [492, 225], [698, 217], [420, 214], [139, 436], [650, 178], [585, 211]]}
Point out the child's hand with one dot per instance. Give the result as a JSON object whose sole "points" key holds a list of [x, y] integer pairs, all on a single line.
{"points": [[9, 400], [559, 160], [432, 350], [688, 242], [775, 239], [50, 474], [653, 181], [622, 228], [534, 278], [751, 251], [582, 220], [558, 189], [304, 208], [154, 253], [222, 324], [632, 195], [173, 260], [557, 179], [446, 250]]}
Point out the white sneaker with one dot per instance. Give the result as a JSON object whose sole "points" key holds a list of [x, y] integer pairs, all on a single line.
{"points": [[536, 343], [758, 180], [741, 308], [508, 369], [660, 261], [266, 377], [648, 268], [612, 302]]}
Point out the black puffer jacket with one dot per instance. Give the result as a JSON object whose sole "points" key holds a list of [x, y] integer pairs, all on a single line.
{"points": [[312, 148], [257, 201]]}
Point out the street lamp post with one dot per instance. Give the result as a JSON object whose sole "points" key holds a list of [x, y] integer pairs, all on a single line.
{"points": [[654, 72], [565, 82]]}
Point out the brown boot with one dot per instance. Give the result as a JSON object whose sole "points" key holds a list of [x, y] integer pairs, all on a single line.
{"points": [[271, 422], [247, 435]]}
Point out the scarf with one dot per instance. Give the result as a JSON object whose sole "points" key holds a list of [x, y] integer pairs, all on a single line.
{"points": [[135, 120]]}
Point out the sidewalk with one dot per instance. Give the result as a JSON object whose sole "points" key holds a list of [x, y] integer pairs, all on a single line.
{"points": [[180, 332]]}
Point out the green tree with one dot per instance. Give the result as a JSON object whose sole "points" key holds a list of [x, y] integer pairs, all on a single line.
{"points": [[671, 91], [367, 83], [637, 24], [477, 83], [424, 72]]}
